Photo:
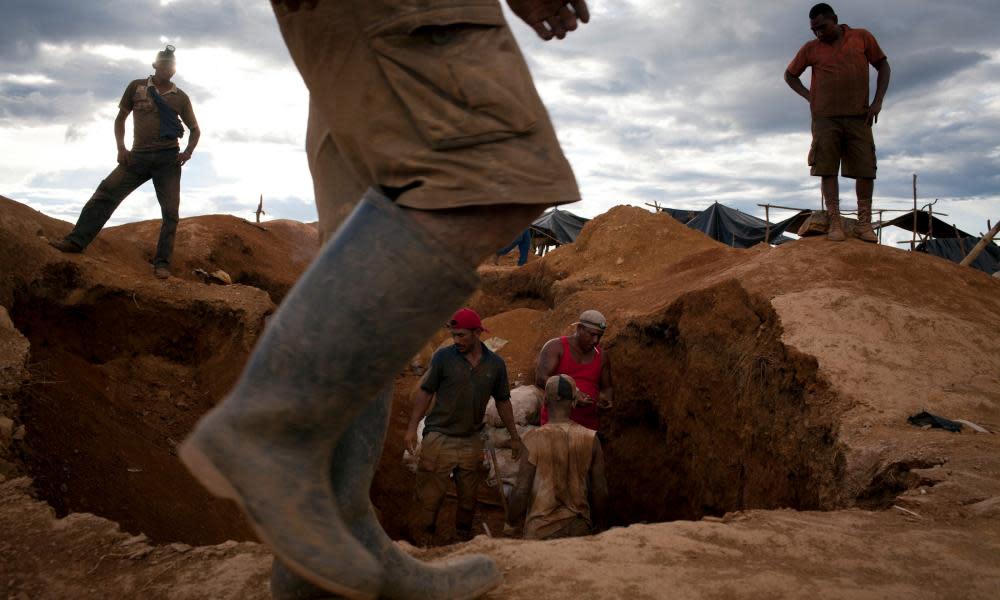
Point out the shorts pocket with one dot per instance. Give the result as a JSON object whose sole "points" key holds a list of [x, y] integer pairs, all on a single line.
{"points": [[459, 75]]}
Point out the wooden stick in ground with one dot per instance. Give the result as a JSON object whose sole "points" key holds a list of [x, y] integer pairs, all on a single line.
{"points": [[977, 250]]}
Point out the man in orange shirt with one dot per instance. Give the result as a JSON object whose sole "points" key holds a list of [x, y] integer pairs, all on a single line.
{"points": [[842, 118]]}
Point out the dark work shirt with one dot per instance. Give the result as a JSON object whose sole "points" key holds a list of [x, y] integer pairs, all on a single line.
{"points": [[463, 391]]}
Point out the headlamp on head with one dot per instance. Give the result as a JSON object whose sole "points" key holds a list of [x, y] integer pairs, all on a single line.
{"points": [[166, 55]]}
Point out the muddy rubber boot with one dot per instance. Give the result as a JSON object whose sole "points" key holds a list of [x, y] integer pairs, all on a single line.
{"points": [[377, 291], [835, 232], [404, 577], [863, 230]]}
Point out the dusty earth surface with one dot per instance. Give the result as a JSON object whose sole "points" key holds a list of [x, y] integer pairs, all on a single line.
{"points": [[758, 446]]}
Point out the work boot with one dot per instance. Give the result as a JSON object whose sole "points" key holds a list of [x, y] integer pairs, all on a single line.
{"points": [[376, 292], [863, 230], [65, 245], [161, 272], [835, 232], [404, 577]]}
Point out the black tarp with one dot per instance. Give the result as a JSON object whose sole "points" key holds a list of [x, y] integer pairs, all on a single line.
{"points": [[558, 225], [681, 214], [738, 229], [955, 249], [940, 229]]}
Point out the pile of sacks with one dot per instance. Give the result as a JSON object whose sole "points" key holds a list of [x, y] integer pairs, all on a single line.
{"points": [[526, 401]]}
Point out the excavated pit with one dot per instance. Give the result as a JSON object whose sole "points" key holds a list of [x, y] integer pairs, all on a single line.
{"points": [[715, 414], [117, 381]]}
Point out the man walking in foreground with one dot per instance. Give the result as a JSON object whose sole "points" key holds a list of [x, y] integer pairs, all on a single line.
{"points": [[842, 118], [157, 107], [430, 107], [561, 490], [460, 381], [581, 357]]}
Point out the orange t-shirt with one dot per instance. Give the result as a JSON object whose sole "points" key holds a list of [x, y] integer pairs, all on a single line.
{"points": [[839, 85]]}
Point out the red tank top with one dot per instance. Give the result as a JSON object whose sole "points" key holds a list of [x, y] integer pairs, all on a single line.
{"points": [[587, 377]]}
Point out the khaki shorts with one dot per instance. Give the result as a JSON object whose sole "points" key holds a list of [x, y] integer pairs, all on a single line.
{"points": [[442, 457], [437, 101], [842, 139]]}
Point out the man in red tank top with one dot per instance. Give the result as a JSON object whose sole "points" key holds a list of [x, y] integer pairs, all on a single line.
{"points": [[580, 356]]}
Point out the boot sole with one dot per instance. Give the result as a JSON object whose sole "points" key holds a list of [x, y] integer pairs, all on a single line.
{"points": [[205, 471]]}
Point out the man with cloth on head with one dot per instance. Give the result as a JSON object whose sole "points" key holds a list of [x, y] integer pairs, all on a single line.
{"points": [[580, 356], [461, 378], [561, 490], [157, 107], [842, 119]]}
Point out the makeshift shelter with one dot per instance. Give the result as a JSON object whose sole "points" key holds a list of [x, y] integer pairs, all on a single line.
{"points": [[557, 227], [955, 249], [925, 224], [740, 230]]}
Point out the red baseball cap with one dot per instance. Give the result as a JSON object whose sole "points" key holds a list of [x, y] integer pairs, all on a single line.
{"points": [[466, 318]]}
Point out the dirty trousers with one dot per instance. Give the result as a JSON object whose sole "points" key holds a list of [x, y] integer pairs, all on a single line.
{"points": [[160, 166], [440, 457]]}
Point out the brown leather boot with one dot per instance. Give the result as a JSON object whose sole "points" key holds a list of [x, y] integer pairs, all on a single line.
{"points": [[836, 231], [863, 230]]}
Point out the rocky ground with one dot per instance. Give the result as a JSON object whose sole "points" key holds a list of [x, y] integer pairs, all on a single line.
{"points": [[748, 383]]}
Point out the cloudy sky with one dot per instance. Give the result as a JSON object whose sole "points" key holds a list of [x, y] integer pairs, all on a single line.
{"points": [[681, 103]]}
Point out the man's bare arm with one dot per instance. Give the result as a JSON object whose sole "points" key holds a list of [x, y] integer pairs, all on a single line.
{"points": [[881, 87], [421, 403], [548, 362], [518, 505], [506, 411], [598, 489], [551, 18], [795, 83], [185, 156], [123, 153]]}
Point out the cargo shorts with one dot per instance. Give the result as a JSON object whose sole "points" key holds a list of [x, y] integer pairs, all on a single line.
{"points": [[842, 140], [436, 100]]}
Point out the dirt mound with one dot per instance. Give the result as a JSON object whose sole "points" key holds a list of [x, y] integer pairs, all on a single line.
{"points": [[269, 256], [716, 414], [122, 365], [762, 378]]}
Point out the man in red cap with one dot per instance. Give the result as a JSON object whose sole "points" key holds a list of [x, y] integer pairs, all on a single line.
{"points": [[461, 379]]}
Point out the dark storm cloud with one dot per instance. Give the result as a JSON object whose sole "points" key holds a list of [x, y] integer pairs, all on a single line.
{"points": [[82, 81], [645, 80]]}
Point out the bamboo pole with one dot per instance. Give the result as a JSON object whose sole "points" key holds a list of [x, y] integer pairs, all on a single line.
{"points": [[977, 250]]}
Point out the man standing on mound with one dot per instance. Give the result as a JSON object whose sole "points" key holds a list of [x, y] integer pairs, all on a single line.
{"points": [[157, 108], [429, 106], [842, 119]]}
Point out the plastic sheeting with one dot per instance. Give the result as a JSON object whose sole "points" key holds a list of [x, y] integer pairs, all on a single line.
{"points": [[558, 226], [955, 250], [938, 228], [737, 229]]}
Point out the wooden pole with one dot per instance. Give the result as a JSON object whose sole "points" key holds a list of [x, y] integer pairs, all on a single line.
{"points": [[767, 228], [961, 241], [913, 240], [977, 250], [930, 220], [880, 228]]}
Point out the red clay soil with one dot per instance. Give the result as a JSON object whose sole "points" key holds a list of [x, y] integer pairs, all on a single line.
{"points": [[762, 378]]}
